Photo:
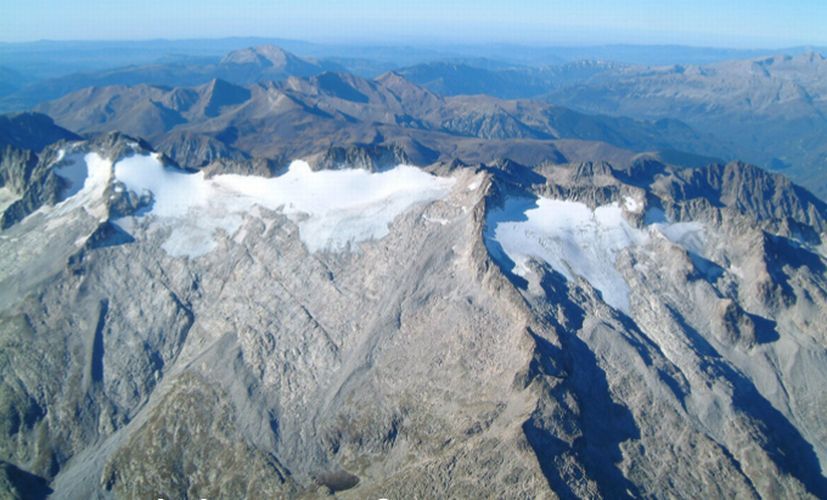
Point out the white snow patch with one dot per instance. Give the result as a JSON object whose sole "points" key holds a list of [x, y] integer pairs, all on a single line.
{"points": [[333, 209], [7, 197], [689, 235], [74, 172], [576, 240], [632, 204], [88, 176], [436, 220], [61, 153], [473, 186], [173, 192]]}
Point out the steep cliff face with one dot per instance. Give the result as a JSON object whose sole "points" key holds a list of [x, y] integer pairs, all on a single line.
{"points": [[391, 331]]}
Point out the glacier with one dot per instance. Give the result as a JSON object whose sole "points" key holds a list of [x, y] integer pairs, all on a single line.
{"points": [[332, 209], [576, 240]]}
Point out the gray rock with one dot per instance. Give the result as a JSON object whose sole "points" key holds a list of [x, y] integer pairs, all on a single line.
{"points": [[418, 365]]}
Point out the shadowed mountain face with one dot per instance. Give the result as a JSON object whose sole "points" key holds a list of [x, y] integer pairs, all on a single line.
{"points": [[31, 131], [304, 116]]}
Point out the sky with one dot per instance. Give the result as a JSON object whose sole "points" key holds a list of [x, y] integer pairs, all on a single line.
{"points": [[724, 23]]}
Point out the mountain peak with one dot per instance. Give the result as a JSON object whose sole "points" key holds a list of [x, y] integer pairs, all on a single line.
{"points": [[400, 85], [394, 79], [262, 55], [266, 60], [219, 93]]}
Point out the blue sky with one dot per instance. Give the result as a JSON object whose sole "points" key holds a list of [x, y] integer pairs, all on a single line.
{"points": [[732, 23]]}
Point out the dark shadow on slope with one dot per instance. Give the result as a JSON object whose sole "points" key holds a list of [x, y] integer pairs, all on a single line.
{"points": [[97, 343], [547, 448], [339, 480], [603, 423], [228, 136], [333, 84], [514, 173], [785, 445], [221, 94], [670, 382], [706, 269], [109, 235], [786, 252], [781, 253], [511, 208], [641, 173], [765, 329], [25, 484]]}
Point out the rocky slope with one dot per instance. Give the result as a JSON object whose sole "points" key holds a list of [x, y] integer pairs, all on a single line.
{"points": [[450, 331]]}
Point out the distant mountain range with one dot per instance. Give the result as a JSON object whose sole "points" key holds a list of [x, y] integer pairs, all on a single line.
{"points": [[241, 66], [49, 59], [766, 110], [771, 111], [510, 82], [301, 116]]}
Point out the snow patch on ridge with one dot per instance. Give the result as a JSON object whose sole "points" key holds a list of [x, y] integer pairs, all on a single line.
{"points": [[576, 240], [632, 204], [689, 235], [333, 209], [7, 197], [86, 176]]}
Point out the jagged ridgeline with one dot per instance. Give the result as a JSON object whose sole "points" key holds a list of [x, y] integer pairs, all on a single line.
{"points": [[344, 322]]}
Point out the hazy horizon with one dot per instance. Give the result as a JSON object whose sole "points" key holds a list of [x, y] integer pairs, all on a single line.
{"points": [[762, 24], [421, 43]]}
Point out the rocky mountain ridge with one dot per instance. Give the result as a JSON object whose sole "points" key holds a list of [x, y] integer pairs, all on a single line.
{"points": [[473, 345]]}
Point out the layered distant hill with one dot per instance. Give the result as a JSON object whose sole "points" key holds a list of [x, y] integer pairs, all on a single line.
{"points": [[508, 82], [249, 65], [772, 111], [768, 110], [300, 116]]}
